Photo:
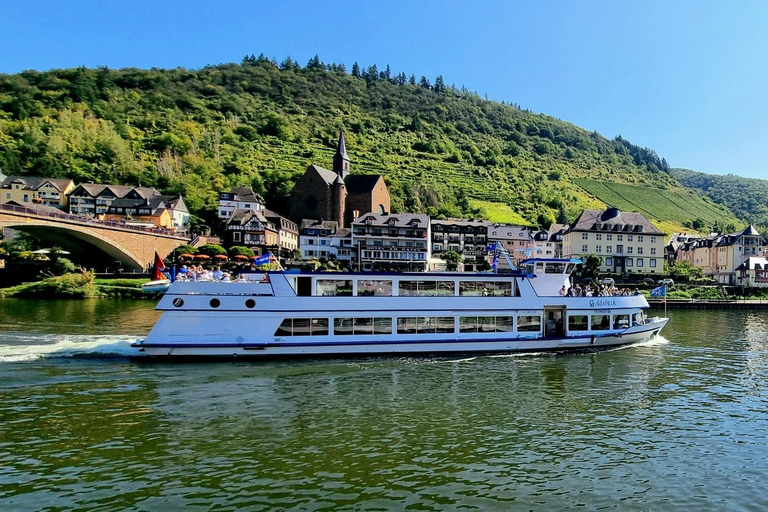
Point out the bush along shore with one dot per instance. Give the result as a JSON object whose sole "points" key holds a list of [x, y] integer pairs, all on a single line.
{"points": [[79, 286]]}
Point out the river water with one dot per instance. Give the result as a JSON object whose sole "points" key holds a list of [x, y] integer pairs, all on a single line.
{"points": [[675, 424]]}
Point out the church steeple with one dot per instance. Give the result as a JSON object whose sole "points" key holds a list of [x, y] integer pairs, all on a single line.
{"points": [[341, 159]]}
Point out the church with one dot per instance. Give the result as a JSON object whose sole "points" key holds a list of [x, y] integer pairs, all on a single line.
{"points": [[336, 195]]}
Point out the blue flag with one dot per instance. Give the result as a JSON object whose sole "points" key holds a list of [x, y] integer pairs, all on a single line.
{"points": [[491, 247], [262, 260], [661, 291]]}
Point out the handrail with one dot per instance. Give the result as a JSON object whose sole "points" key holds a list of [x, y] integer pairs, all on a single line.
{"points": [[88, 221]]}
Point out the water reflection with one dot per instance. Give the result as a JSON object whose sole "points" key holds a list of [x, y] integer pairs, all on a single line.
{"points": [[662, 426]]}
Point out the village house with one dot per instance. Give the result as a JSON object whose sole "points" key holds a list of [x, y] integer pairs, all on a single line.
{"points": [[396, 242], [93, 200], [517, 241], [251, 229], [239, 198], [466, 237], [627, 242], [287, 234], [34, 190], [324, 239], [335, 194], [549, 243], [753, 272], [167, 212]]}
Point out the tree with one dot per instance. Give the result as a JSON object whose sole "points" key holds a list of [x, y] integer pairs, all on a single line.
{"points": [[186, 249], [212, 250], [562, 215], [412, 80], [439, 84], [388, 74], [240, 250], [592, 266], [356, 70], [452, 259], [314, 63], [424, 82]]}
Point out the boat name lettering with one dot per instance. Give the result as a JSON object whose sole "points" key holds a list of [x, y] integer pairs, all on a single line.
{"points": [[596, 303]]}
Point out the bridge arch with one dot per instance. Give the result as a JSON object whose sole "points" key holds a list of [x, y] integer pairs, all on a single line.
{"points": [[68, 237], [134, 248]]}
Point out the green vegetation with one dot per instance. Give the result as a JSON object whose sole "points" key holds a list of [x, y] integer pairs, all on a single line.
{"points": [[441, 148], [78, 285], [675, 206], [746, 197]]}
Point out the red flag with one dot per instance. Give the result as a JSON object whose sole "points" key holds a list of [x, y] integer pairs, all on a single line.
{"points": [[157, 268]]}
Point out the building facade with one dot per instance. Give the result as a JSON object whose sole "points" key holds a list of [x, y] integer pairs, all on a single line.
{"points": [[392, 242], [467, 237], [287, 234], [94, 200], [239, 198], [517, 241], [34, 190], [166, 212], [251, 229], [627, 242]]}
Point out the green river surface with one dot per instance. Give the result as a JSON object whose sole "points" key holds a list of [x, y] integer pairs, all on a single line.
{"points": [[677, 423]]}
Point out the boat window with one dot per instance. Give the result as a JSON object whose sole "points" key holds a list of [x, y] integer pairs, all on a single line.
{"points": [[363, 326], [342, 326], [334, 287], [368, 288], [570, 268], [620, 321], [485, 288], [319, 327], [406, 326], [486, 324], [578, 323], [528, 323], [445, 324], [285, 328], [637, 319], [601, 322], [505, 323], [468, 324], [303, 327], [425, 325], [382, 326], [426, 288], [554, 268]]}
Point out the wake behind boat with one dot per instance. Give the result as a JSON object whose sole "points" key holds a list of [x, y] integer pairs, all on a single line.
{"points": [[282, 314]]}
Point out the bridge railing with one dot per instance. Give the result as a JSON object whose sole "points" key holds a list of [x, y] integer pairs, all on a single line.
{"points": [[90, 221]]}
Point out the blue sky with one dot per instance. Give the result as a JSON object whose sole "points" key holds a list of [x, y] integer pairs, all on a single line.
{"points": [[686, 78]]}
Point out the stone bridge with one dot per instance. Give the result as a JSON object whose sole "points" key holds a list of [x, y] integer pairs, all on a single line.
{"points": [[134, 247]]}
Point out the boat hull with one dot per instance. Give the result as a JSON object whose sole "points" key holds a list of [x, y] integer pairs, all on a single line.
{"points": [[445, 346]]}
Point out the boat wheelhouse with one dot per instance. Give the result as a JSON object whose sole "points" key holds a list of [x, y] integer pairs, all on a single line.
{"points": [[281, 314]]}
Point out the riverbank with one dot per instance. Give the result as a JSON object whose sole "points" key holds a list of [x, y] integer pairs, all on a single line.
{"points": [[79, 286], [710, 303]]}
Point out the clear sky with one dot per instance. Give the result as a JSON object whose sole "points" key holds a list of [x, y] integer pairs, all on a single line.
{"points": [[686, 78]]}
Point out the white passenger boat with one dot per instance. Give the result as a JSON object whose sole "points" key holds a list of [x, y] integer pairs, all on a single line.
{"points": [[283, 314]]}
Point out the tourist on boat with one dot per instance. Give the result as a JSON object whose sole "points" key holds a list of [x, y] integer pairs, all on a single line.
{"points": [[218, 274], [241, 278], [563, 291]]}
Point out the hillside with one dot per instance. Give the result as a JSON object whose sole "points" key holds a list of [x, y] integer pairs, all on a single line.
{"points": [[746, 197], [443, 149]]}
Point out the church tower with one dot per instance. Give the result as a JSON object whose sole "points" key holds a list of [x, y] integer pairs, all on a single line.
{"points": [[340, 159], [339, 201]]}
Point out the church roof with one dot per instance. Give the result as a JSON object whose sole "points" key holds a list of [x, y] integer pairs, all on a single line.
{"points": [[361, 183], [342, 147], [328, 176]]}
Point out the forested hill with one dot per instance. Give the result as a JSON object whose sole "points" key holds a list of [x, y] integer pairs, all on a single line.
{"points": [[746, 197], [444, 150]]}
